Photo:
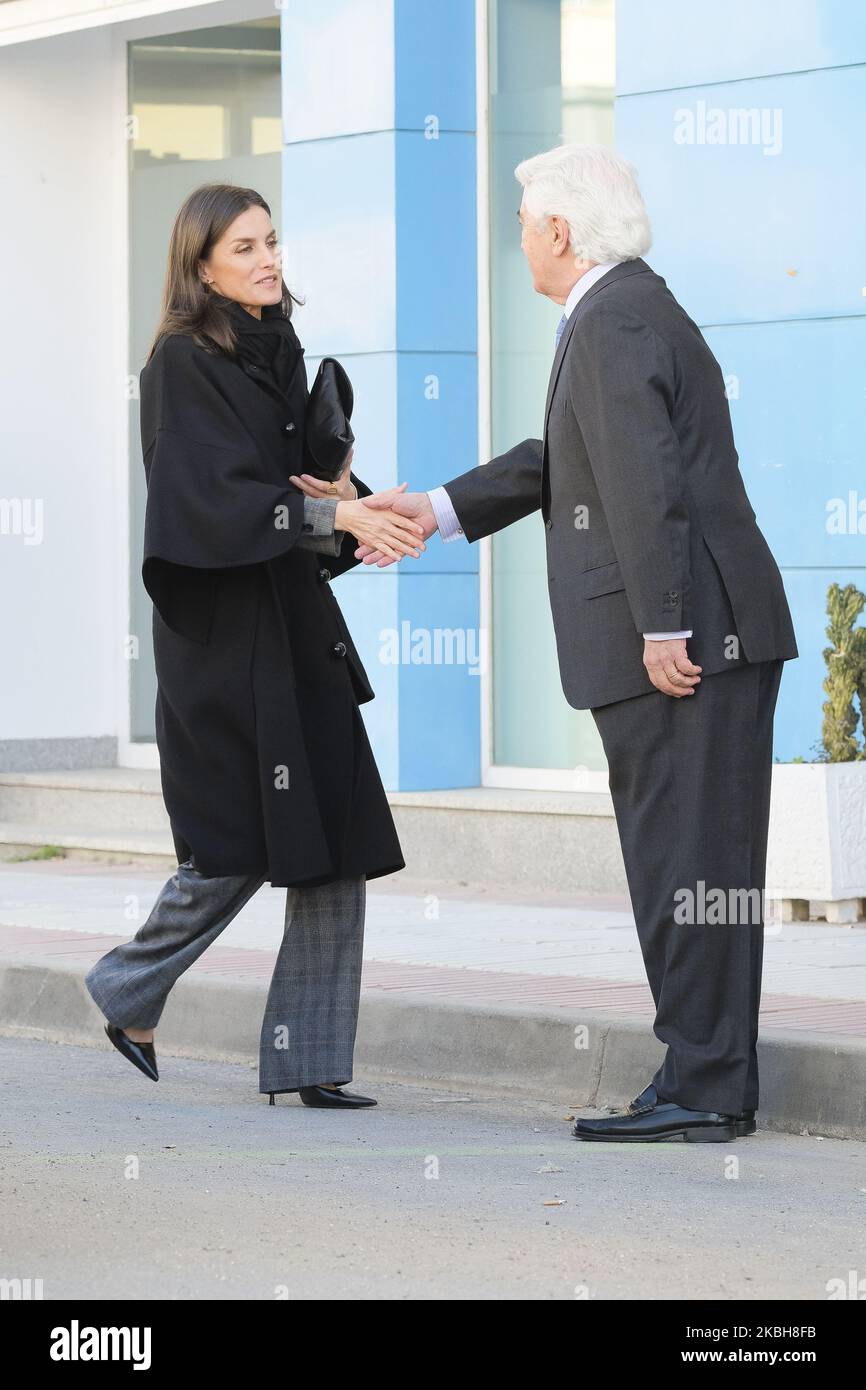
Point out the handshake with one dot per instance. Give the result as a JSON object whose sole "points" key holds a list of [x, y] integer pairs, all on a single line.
{"points": [[388, 524]]}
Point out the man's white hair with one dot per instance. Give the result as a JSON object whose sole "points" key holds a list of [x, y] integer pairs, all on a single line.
{"points": [[595, 190]]}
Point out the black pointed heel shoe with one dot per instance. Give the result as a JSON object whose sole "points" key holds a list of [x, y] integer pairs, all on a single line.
{"points": [[325, 1099], [335, 1099], [140, 1054]]}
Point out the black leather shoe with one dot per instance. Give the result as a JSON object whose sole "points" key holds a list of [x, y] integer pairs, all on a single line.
{"points": [[337, 1099], [745, 1121], [649, 1119], [141, 1054]]}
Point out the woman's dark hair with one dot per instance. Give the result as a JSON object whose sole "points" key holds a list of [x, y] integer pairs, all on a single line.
{"points": [[187, 305]]}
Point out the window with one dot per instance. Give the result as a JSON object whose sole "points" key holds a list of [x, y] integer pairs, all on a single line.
{"points": [[206, 109], [551, 66]]}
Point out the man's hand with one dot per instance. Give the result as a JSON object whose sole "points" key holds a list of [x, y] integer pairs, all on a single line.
{"points": [[669, 668], [378, 527], [415, 505]]}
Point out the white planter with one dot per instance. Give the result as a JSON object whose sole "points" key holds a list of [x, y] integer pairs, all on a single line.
{"points": [[817, 847]]}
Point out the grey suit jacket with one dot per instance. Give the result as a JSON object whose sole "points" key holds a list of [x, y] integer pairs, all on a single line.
{"points": [[648, 525]]}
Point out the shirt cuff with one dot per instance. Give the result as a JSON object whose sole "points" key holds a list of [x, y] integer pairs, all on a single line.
{"points": [[317, 531], [665, 636], [446, 517]]}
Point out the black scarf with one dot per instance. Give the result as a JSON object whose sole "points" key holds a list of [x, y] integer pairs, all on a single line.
{"points": [[270, 342]]}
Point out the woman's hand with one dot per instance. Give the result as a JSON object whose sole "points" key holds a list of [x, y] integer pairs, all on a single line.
{"points": [[343, 487], [379, 527]]}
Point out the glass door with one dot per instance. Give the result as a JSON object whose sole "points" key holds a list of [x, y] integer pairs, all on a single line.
{"points": [[205, 108], [551, 67]]}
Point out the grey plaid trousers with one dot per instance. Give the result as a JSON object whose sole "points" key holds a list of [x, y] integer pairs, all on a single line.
{"points": [[311, 1015]]}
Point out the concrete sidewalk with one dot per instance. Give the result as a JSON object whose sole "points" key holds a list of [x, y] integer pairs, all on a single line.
{"points": [[541, 994]]}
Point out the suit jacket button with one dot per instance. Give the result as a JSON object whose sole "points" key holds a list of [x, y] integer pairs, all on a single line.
{"points": [[289, 428], [324, 576], [339, 649], [548, 523]]}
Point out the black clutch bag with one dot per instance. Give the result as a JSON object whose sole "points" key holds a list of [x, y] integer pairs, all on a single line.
{"points": [[328, 434]]}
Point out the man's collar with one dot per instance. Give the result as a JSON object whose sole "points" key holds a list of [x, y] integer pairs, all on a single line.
{"points": [[602, 276], [586, 281]]}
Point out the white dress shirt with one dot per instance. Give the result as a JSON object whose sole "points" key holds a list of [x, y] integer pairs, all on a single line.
{"points": [[443, 509]]}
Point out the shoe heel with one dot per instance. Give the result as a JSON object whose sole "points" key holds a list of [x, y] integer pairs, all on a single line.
{"points": [[711, 1134]]}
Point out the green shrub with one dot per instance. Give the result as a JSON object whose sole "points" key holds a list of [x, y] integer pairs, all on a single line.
{"points": [[846, 677]]}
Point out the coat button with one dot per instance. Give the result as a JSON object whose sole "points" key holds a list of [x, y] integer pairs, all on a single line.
{"points": [[324, 576], [339, 649], [289, 428], [548, 523]]}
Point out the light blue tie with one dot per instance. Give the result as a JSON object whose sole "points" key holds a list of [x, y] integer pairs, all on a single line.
{"points": [[560, 328]]}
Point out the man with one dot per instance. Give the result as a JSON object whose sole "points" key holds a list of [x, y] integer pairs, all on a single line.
{"points": [[670, 617]]}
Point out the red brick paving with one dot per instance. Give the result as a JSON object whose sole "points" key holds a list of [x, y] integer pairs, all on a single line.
{"points": [[619, 998]]}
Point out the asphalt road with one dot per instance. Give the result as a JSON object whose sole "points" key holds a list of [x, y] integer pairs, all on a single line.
{"points": [[194, 1188]]}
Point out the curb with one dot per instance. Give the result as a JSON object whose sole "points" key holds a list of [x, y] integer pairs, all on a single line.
{"points": [[809, 1081]]}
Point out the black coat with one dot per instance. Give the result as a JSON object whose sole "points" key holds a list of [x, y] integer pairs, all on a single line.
{"points": [[265, 762]]}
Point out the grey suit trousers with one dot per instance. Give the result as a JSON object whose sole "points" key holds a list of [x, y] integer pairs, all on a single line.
{"points": [[311, 1015], [690, 783]]}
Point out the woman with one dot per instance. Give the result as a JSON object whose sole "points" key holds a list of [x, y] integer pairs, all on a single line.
{"points": [[266, 770]]}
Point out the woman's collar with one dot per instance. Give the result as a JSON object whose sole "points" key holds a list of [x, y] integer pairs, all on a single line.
{"points": [[271, 314]]}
